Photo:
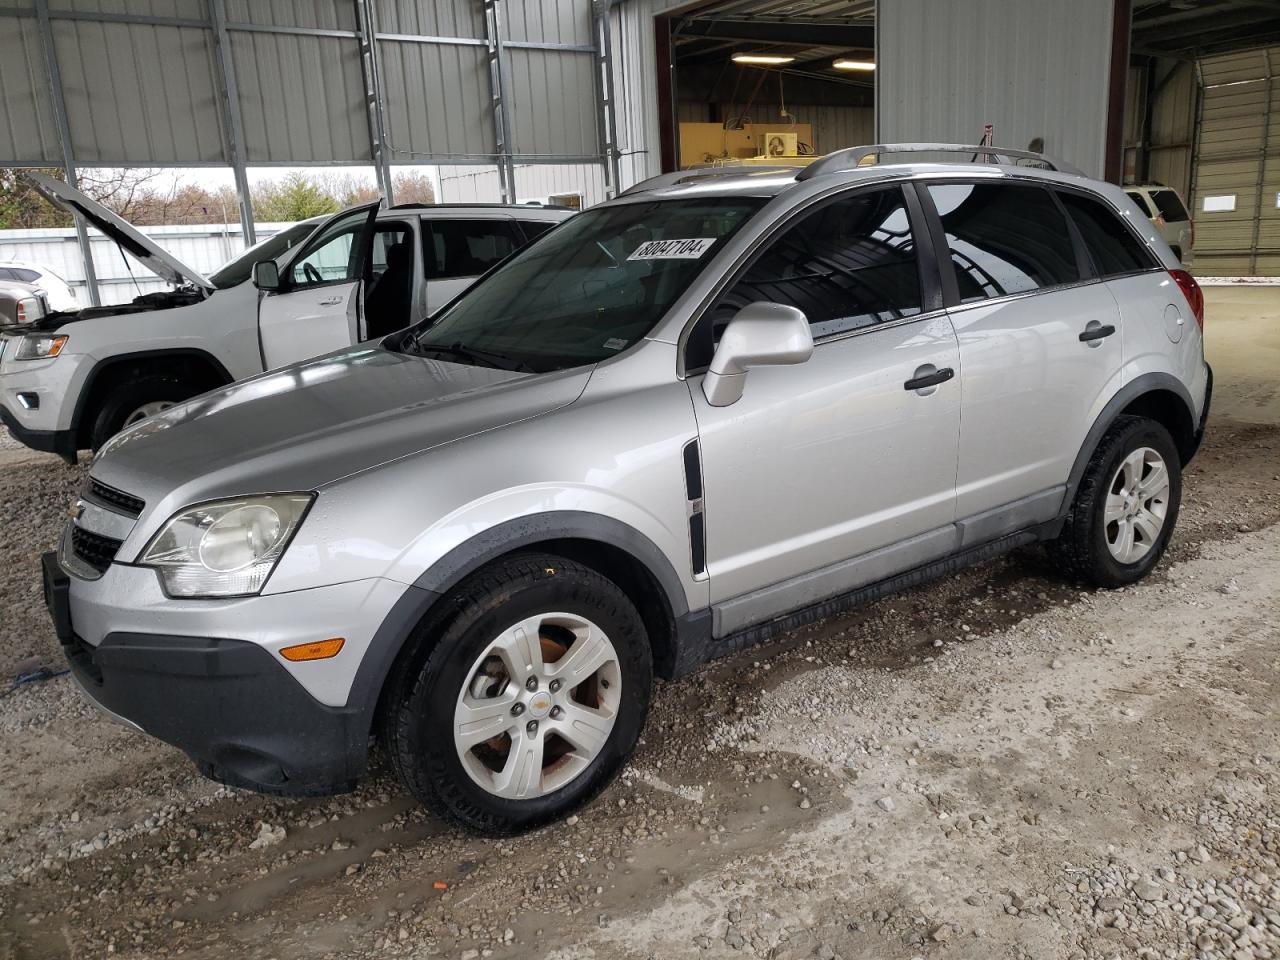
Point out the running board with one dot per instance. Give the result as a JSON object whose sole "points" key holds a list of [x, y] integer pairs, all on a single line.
{"points": [[704, 649]]}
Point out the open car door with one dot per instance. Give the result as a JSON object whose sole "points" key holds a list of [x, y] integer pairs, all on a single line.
{"points": [[317, 307]]}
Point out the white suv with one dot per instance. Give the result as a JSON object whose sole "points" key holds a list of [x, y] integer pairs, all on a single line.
{"points": [[726, 403], [74, 379], [1164, 207]]}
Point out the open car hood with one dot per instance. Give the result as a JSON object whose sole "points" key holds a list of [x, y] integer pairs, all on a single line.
{"points": [[156, 259]]}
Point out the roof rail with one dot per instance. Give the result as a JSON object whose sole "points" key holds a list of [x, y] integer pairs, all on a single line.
{"points": [[684, 176], [853, 157]]}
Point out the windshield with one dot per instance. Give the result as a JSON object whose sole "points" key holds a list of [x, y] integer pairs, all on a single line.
{"points": [[238, 269], [588, 289]]}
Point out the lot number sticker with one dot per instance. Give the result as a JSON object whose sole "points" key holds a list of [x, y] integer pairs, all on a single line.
{"points": [[673, 249]]}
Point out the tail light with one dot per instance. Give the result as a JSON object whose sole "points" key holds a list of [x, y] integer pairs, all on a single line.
{"points": [[1191, 290], [1159, 221]]}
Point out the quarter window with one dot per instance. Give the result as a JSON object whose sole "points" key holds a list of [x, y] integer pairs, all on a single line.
{"points": [[1114, 248], [468, 248], [1004, 238], [848, 265]]}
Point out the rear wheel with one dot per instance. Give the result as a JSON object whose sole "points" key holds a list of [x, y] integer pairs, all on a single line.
{"points": [[135, 400], [527, 701], [1126, 506]]}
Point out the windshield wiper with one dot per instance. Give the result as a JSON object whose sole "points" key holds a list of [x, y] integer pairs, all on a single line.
{"points": [[483, 357]]}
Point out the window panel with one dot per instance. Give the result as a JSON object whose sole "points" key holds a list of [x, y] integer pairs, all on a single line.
{"points": [[1114, 248], [1004, 238], [467, 248], [848, 265], [331, 257]]}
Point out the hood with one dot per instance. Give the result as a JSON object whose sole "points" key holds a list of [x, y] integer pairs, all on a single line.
{"points": [[308, 425], [156, 259]]}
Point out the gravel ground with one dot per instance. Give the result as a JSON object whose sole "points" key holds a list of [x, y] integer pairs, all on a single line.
{"points": [[995, 765]]}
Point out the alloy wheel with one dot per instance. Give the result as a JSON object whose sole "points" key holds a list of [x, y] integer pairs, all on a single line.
{"points": [[538, 706], [1136, 505]]}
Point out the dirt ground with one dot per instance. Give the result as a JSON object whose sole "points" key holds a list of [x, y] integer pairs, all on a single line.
{"points": [[996, 765]]}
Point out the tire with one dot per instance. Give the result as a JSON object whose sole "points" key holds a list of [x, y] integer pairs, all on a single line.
{"points": [[128, 398], [1092, 548], [424, 700]]}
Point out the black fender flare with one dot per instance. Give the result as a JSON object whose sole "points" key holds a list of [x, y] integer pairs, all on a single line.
{"points": [[1146, 383], [141, 355], [451, 569]]}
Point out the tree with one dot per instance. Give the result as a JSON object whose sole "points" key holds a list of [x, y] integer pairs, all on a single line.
{"points": [[413, 187], [22, 208], [295, 196]]}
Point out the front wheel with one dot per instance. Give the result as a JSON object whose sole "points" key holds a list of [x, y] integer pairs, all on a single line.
{"points": [[1125, 507], [134, 400], [527, 701]]}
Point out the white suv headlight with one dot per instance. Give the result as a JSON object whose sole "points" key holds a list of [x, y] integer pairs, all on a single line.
{"points": [[227, 548], [40, 347]]}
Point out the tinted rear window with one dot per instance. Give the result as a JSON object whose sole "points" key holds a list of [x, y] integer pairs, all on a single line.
{"points": [[1114, 248], [1140, 200], [1170, 206], [467, 248], [1004, 238]]}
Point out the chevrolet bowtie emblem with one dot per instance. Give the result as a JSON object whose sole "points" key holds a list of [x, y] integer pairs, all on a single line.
{"points": [[76, 509]]}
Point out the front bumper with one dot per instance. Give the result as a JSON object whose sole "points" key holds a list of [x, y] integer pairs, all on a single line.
{"points": [[232, 705], [61, 442]]}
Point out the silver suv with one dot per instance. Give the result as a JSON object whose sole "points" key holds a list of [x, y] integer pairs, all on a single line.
{"points": [[726, 403]]}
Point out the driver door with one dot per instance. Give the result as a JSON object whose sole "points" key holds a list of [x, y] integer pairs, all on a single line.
{"points": [[317, 308]]}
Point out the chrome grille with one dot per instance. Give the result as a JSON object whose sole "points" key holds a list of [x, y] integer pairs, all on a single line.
{"points": [[110, 496]]}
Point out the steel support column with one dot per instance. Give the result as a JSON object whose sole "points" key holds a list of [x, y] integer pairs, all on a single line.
{"points": [[54, 78], [231, 118], [607, 117], [374, 108], [501, 103], [1263, 148]]}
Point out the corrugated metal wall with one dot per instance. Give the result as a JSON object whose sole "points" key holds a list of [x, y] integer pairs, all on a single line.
{"points": [[204, 247], [1172, 88], [1238, 157], [148, 93], [1033, 68], [472, 184]]}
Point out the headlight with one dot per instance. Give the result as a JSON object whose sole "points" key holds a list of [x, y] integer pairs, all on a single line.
{"points": [[40, 348], [227, 548]]}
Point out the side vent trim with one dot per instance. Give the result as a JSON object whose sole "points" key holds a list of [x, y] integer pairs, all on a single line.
{"points": [[694, 507]]}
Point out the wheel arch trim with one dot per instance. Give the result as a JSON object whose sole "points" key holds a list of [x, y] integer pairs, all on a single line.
{"points": [[469, 556], [101, 365], [1126, 395]]}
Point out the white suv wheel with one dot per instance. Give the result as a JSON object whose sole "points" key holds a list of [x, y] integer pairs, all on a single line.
{"points": [[147, 410]]}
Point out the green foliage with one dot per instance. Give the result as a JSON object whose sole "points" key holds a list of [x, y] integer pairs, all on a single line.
{"points": [[21, 208], [295, 196]]}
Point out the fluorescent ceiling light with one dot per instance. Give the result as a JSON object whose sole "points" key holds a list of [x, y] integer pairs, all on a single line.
{"points": [[843, 64], [761, 59]]}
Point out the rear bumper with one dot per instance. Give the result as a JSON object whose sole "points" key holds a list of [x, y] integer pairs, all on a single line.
{"points": [[1204, 413], [61, 442]]}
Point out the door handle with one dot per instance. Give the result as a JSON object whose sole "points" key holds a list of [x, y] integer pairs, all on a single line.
{"points": [[331, 302], [1099, 332], [927, 380]]}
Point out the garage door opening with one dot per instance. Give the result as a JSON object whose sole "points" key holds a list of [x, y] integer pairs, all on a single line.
{"points": [[757, 81]]}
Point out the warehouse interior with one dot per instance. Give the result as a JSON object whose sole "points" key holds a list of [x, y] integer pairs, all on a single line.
{"points": [[242, 504], [761, 77]]}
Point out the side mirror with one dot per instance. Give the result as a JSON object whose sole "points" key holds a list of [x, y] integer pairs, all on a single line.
{"points": [[266, 275], [760, 334]]}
